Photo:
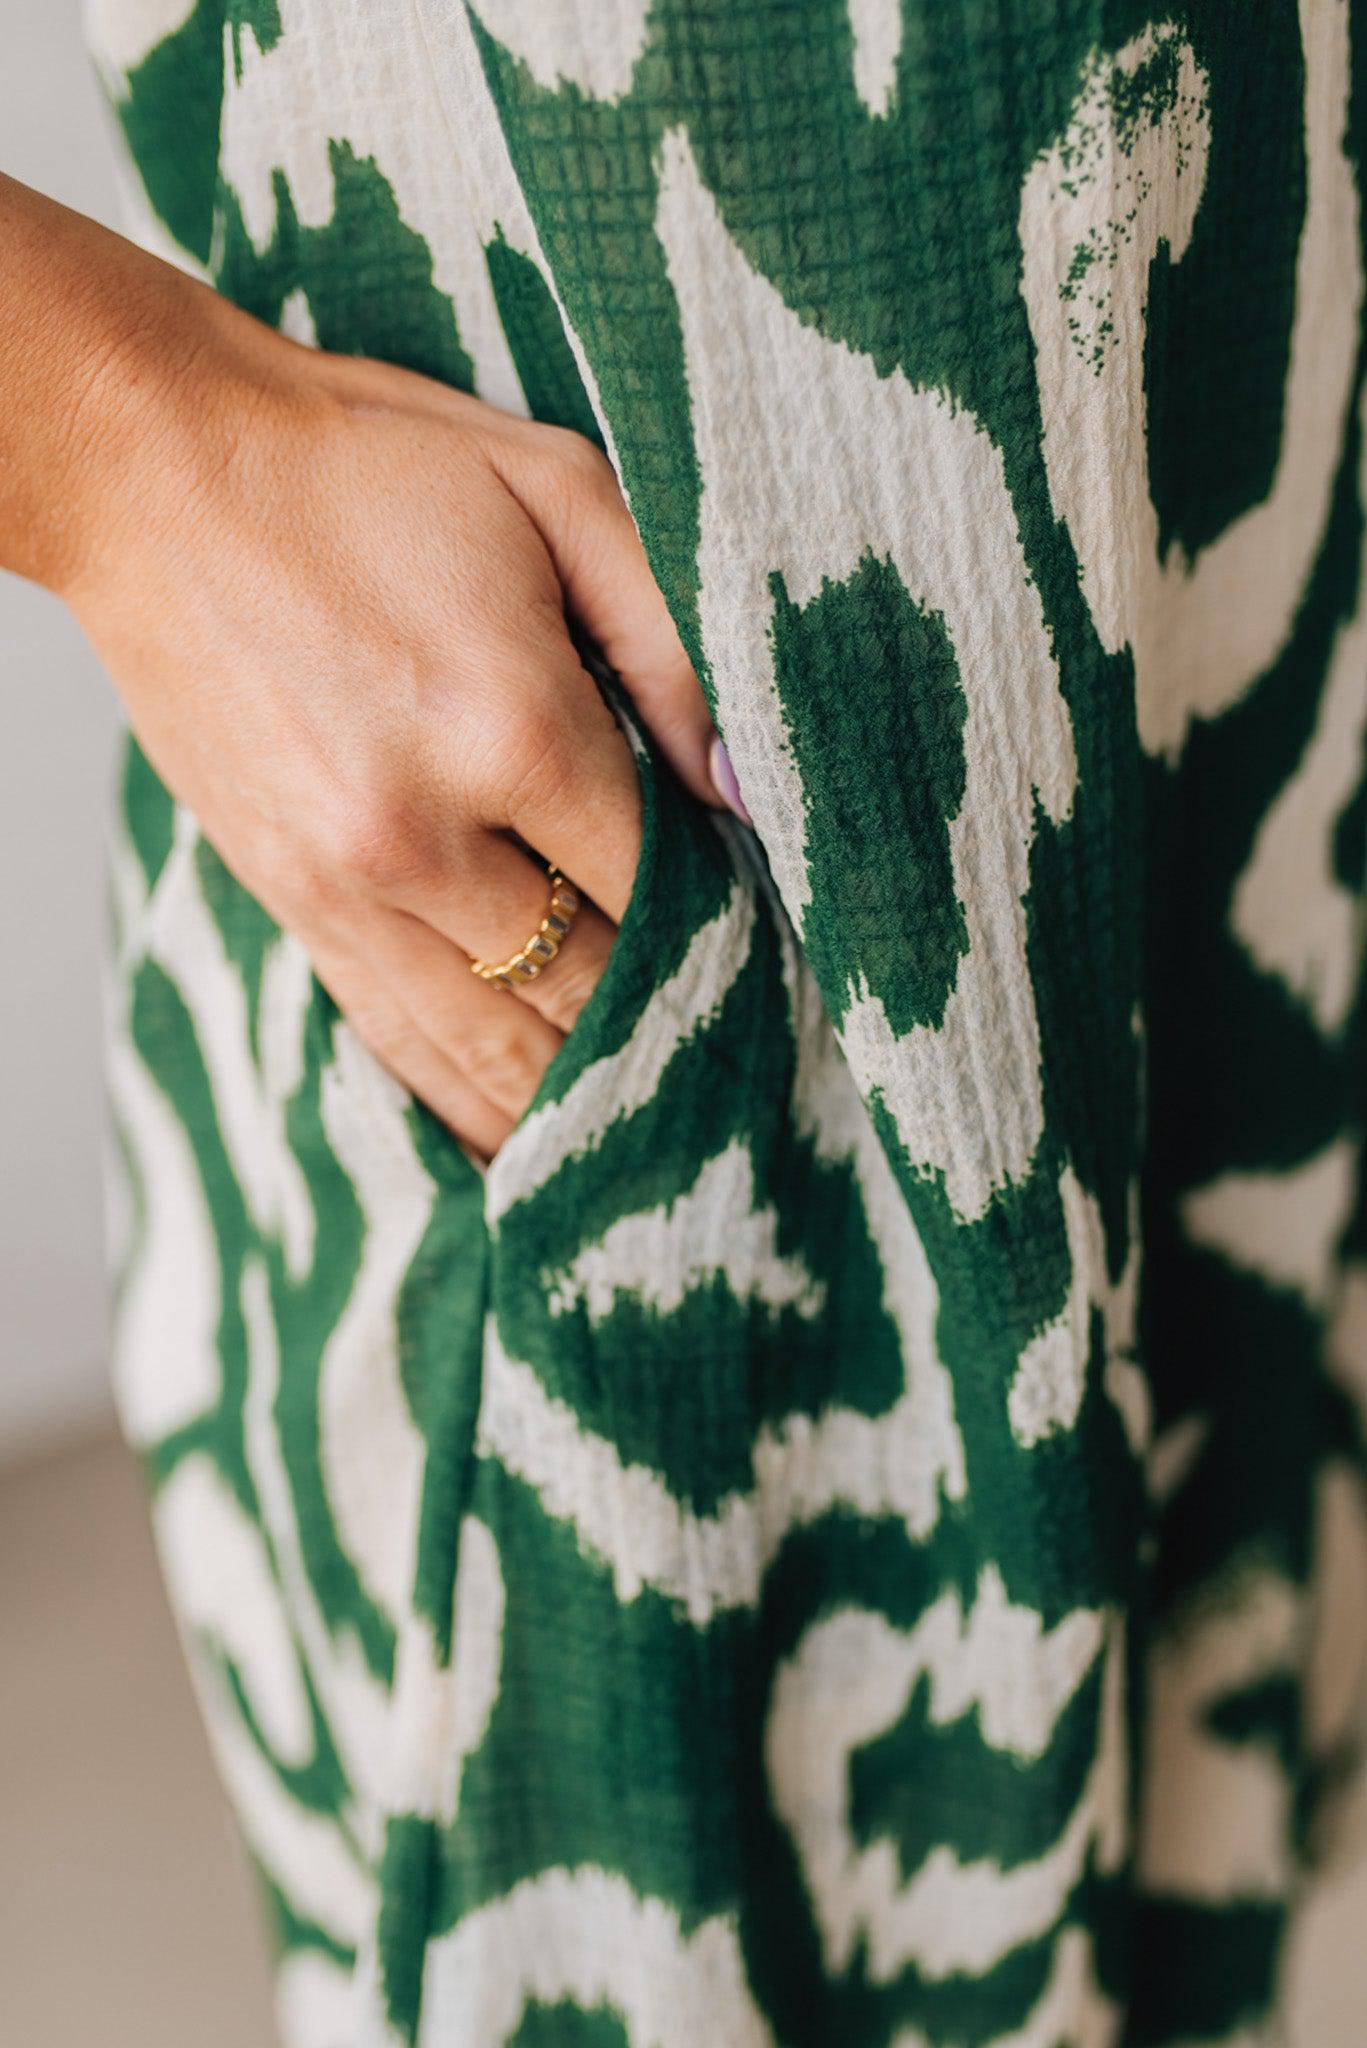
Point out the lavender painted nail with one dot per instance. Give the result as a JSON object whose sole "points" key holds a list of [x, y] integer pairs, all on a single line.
{"points": [[725, 783]]}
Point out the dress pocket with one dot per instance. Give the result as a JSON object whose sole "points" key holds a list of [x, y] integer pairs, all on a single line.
{"points": [[683, 937], [635, 963], [645, 947]]}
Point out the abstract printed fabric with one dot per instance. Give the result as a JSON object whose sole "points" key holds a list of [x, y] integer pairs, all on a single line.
{"points": [[851, 1534]]}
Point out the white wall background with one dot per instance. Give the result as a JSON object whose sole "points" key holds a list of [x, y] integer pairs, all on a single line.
{"points": [[57, 727]]}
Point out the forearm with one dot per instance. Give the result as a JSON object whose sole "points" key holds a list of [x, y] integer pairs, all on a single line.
{"points": [[100, 344]]}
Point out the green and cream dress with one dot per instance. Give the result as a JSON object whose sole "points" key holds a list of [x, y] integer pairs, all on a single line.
{"points": [[851, 1533]]}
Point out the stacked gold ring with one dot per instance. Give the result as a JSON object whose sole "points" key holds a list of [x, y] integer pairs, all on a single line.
{"points": [[543, 945]]}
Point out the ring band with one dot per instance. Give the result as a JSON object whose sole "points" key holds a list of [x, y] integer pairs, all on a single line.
{"points": [[543, 945]]}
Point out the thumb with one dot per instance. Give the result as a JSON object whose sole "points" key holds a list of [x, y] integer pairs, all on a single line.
{"points": [[583, 518]]}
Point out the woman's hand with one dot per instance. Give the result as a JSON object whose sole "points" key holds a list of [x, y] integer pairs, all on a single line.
{"points": [[332, 595]]}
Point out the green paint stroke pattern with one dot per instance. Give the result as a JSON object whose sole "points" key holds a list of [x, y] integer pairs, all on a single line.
{"points": [[852, 1533]]}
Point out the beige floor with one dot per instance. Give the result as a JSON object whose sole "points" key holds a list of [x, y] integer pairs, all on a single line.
{"points": [[126, 1915]]}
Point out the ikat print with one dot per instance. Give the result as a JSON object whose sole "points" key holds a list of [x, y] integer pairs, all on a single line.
{"points": [[850, 1534]]}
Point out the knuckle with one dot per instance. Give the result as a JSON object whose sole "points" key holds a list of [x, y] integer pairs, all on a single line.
{"points": [[371, 842], [526, 768], [567, 987], [378, 1026], [568, 449], [576, 467], [500, 1063], [588, 463], [373, 1017]]}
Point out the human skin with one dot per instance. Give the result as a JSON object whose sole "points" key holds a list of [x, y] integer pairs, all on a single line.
{"points": [[332, 596]]}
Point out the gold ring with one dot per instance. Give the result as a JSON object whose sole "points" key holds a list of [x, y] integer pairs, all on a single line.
{"points": [[543, 945]]}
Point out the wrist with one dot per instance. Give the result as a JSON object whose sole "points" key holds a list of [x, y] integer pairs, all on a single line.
{"points": [[155, 419]]}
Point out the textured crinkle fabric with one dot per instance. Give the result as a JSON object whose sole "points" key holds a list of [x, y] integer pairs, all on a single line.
{"points": [[851, 1535]]}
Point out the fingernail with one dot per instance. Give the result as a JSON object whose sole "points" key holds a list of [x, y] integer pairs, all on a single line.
{"points": [[725, 783]]}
